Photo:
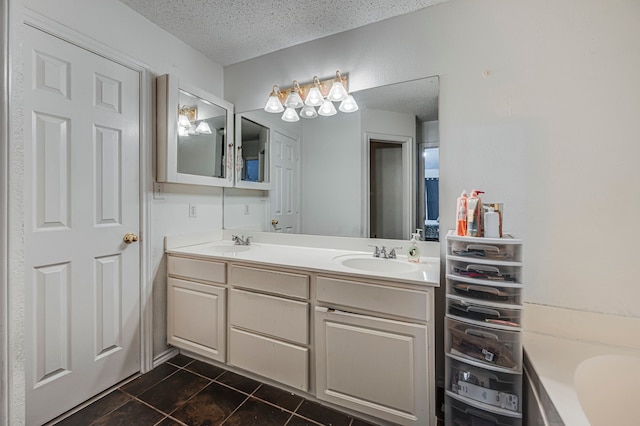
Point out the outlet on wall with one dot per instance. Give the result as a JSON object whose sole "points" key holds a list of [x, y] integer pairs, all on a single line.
{"points": [[193, 210]]}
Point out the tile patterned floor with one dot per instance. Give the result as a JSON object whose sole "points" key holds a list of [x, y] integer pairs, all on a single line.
{"points": [[184, 391]]}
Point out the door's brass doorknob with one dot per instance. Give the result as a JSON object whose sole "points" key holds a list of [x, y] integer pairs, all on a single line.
{"points": [[130, 238], [274, 222]]}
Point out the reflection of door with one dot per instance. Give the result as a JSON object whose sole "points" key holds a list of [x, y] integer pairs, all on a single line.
{"points": [[386, 192], [285, 196], [81, 195], [389, 210]]}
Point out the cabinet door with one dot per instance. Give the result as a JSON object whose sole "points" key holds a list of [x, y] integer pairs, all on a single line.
{"points": [[196, 318], [373, 365]]}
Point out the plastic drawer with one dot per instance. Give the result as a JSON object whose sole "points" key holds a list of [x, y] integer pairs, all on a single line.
{"points": [[485, 293], [487, 249], [485, 313], [485, 345], [497, 390], [483, 272], [460, 414]]}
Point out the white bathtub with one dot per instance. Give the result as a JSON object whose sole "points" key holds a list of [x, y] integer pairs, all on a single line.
{"points": [[608, 389], [586, 366]]}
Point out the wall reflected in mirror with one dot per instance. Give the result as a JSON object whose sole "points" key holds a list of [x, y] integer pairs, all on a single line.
{"points": [[370, 173], [201, 137]]}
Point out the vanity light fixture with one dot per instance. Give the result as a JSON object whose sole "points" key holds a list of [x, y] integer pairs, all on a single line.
{"points": [[273, 104], [320, 94], [203, 127]]}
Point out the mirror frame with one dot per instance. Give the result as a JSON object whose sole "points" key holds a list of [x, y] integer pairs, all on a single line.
{"points": [[243, 184], [168, 88]]}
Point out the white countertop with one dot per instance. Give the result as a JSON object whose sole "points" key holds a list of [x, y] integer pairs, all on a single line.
{"points": [[427, 271]]}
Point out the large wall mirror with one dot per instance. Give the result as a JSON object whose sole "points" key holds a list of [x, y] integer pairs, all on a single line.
{"points": [[370, 173]]}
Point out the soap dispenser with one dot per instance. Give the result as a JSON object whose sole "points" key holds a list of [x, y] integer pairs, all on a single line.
{"points": [[414, 251]]}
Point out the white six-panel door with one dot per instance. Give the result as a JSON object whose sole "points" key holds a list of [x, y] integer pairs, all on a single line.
{"points": [[284, 199], [81, 195]]}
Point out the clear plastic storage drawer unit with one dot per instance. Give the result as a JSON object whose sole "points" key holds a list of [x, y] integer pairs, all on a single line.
{"points": [[497, 390], [484, 313], [484, 273], [484, 345], [460, 414], [501, 249], [485, 292]]}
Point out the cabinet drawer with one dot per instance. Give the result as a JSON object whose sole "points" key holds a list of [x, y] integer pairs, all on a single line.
{"points": [[275, 316], [484, 345], [197, 269], [375, 298], [280, 361], [284, 283], [496, 391]]}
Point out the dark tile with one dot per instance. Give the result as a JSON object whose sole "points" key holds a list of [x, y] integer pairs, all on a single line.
{"points": [[180, 360], [299, 421], [97, 409], [210, 406], [168, 421], [322, 414], [239, 382], [254, 412], [360, 422], [173, 391], [144, 382], [205, 369], [279, 397], [133, 413]]}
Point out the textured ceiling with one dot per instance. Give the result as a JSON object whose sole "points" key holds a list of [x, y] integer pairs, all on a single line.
{"points": [[231, 31]]}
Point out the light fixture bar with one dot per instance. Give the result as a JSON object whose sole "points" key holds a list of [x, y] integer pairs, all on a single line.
{"points": [[325, 86]]}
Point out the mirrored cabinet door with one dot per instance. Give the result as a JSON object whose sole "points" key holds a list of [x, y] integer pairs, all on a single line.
{"points": [[253, 154], [194, 133]]}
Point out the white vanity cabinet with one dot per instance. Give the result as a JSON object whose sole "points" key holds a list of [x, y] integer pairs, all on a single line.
{"points": [[269, 324], [372, 345], [196, 306]]}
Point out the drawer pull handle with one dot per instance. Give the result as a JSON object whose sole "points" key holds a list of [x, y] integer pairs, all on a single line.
{"points": [[480, 333]]}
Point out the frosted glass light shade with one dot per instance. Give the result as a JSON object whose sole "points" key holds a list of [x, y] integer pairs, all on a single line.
{"points": [[293, 100], [290, 115], [327, 109], [203, 127], [314, 97], [273, 105], [348, 105], [183, 120], [308, 112], [337, 92], [182, 131]]}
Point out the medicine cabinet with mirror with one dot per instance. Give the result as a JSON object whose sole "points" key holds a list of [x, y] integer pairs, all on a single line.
{"points": [[194, 134], [370, 173]]}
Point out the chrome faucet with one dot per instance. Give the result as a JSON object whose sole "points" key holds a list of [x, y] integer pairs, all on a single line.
{"points": [[241, 241], [382, 252]]}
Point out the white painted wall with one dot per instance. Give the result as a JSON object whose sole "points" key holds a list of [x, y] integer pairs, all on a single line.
{"points": [[331, 176], [536, 98]]}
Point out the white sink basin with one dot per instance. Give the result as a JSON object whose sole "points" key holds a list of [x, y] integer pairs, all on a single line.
{"points": [[607, 388], [226, 248], [375, 264]]}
